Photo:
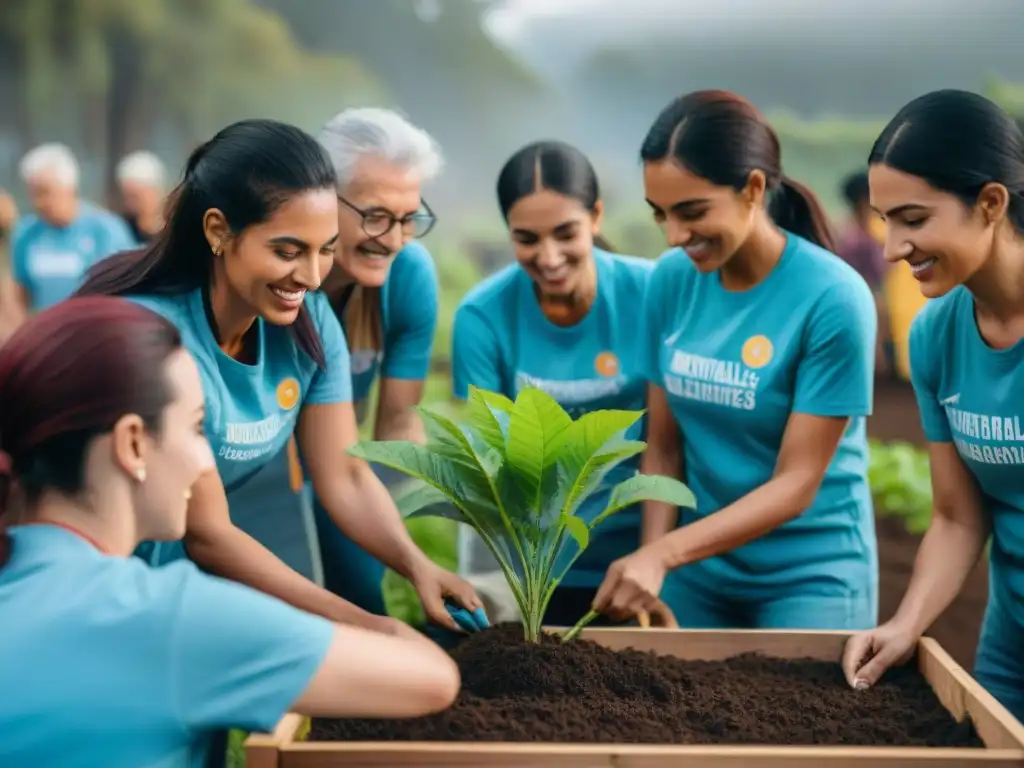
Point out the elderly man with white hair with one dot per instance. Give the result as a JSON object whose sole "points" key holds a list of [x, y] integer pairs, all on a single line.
{"points": [[52, 248], [141, 181], [383, 286]]}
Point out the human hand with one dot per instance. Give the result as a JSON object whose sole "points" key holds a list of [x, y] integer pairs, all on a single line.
{"points": [[869, 654], [448, 600], [632, 586]]}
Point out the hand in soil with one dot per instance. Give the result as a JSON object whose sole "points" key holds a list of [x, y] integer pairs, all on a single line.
{"points": [[632, 585], [869, 654], [433, 584]]}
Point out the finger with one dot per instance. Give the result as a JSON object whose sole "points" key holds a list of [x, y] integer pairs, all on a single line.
{"points": [[464, 594], [437, 612], [603, 598], [857, 649], [644, 619], [662, 616], [872, 672]]}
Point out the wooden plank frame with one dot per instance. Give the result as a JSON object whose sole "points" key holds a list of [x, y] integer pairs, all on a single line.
{"points": [[959, 693]]}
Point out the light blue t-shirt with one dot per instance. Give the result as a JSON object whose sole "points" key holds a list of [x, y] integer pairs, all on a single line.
{"points": [[973, 396], [734, 366], [502, 342], [108, 662], [50, 262], [408, 319], [251, 410]]}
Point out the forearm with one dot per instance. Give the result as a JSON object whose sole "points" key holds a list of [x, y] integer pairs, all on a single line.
{"points": [[233, 554], [658, 518], [948, 552], [400, 425], [360, 505], [762, 510]]}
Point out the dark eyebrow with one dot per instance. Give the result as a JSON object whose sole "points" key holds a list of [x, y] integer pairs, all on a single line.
{"points": [[683, 204], [289, 240], [902, 209], [565, 225]]}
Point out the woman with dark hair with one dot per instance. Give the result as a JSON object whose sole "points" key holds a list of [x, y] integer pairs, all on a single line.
{"points": [[108, 661], [560, 319], [947, 174], [252, 231], [758, 344]]}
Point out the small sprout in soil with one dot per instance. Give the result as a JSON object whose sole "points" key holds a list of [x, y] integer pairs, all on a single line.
{"points": [[518, 473]]}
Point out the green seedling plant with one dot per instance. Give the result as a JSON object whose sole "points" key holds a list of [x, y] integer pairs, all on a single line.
{"points": [[518, 472]]}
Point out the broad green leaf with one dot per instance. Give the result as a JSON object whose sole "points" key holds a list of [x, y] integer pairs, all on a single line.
{"points": [[422, 497], [589, 434], [578, 530], [445, 511], [494, 399], [484, 422], [646, 488], [536, 423]]}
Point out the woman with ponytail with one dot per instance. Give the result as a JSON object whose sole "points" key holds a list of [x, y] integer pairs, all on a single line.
{"points": [[107, 661], [758, 346]]}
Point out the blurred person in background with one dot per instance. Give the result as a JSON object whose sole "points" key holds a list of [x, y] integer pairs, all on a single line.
{"points": [[12, 313], [141, 183], [383, 288], [108, 662], [52, 248], [860, 245]]}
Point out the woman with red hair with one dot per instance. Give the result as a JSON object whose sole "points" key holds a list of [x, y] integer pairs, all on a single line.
{"points": [[109, 661]]}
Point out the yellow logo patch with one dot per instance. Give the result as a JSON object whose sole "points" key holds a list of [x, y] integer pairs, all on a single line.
{"points": [[606, 364], [757, 352], [288, 393]]}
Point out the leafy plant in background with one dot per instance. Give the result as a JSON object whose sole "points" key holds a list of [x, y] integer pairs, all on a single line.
{"points": [[518, 473], [900, 480]]}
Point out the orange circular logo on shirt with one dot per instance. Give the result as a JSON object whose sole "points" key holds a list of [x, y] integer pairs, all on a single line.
{"points": [[606, 364], [288, 393], [757, 352]]}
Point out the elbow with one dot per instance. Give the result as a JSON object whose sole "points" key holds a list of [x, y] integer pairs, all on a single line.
{"points": [[802, 490]]}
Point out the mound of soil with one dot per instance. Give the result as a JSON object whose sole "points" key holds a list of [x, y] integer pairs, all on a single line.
{"points": [[584, 693]]}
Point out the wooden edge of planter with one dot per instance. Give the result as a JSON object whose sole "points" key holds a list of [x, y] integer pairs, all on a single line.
{"points": [[958, 692], [962, 695]]}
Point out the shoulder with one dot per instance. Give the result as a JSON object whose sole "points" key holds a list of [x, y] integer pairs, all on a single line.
{"points": [[672, 272], [493, 290], [26, 227], [101, 218], [412, 262], [939, 318], [173, 307], [319, 307], [819, 272], [631, 270]]}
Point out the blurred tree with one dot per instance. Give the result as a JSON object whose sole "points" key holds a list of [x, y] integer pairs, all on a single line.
{"points": [[124, 66]]}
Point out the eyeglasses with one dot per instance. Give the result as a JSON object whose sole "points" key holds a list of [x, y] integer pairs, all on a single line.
{"points": [[377, 222]]}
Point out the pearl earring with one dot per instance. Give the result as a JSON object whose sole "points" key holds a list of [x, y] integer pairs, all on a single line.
{"points": [[140, 474]]}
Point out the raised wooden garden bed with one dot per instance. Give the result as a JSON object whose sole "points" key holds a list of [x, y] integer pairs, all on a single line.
{"points": [[795, 689]]}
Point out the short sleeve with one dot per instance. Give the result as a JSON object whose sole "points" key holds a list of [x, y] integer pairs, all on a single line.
{"points": [[412, 321], [333, 385], [922, 377], [19, 254], [240, 658], [652, 320], [835, 376], [475, 353]]}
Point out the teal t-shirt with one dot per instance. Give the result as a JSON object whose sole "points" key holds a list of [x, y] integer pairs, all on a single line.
{"points": [[502, 342], [50, 262], [973, 396], [251, 410], [734, 366], [111, 663], [408, 321]]}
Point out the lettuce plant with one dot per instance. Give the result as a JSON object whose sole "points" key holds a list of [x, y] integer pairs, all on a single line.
{"points": [[517, 473]]}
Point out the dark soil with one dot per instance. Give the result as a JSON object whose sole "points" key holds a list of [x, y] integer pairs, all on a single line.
{"points": [[585, 693], [896, 418]]}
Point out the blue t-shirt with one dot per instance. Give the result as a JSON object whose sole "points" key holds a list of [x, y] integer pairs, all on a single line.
{"points": [[251, 410], [50, 262], [408, 321], [973, 396], [108, 662], [734, 365], [502, 342]]}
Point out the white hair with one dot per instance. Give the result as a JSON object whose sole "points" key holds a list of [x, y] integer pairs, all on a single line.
{"points": [[53, 159], [354, 134], [143, 167]]}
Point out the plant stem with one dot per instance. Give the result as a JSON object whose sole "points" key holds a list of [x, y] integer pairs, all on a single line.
{"points": [[580, 625]]}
